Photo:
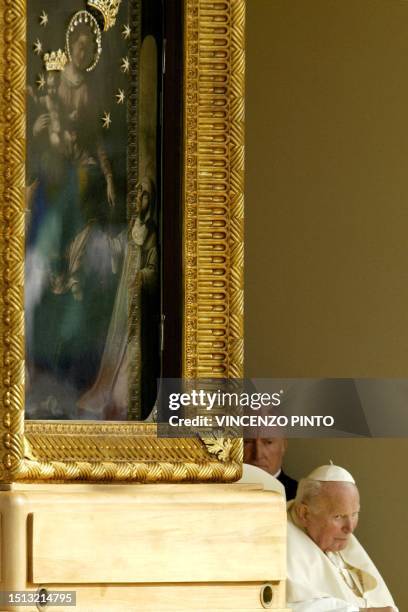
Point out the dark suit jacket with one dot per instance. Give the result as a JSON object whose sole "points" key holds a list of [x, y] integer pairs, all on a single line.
{"points": [[290, 485]]}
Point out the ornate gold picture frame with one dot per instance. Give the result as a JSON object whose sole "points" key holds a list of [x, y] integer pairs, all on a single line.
{"points": [[212, 212]]}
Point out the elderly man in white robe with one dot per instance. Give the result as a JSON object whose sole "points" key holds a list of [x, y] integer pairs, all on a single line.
{"points": [[328, 569]]}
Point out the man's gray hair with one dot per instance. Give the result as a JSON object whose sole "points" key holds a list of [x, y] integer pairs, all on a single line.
{"points": [[307, 491], [311, 492]]}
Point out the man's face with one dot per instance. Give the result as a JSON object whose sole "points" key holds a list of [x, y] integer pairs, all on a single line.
{"points": [[142, 197], [333, 516], [266, 453]]}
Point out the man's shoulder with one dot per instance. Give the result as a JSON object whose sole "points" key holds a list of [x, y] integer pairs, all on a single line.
{"points": [[290, 485], [283, 477]]}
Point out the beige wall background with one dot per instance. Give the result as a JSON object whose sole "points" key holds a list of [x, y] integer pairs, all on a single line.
{"points": [[327, 225]]}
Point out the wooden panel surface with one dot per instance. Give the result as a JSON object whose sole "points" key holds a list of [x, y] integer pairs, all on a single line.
{"points": [[160, 542], [239, 597]]}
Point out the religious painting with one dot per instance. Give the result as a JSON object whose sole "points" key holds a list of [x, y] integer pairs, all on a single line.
{"points": [[92, 232], [121, 251]]}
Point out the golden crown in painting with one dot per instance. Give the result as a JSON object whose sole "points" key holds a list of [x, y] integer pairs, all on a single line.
{"points": [[56, 60], [108, 9]]}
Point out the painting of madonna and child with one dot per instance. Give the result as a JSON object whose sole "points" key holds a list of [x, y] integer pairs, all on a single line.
{"points": [[92, 257]]}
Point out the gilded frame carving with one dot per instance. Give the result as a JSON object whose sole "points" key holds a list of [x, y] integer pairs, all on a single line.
{"points": [[213, 137]]}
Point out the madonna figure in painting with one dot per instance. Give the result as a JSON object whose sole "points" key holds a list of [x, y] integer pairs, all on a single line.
{"points": [[92, 295], [71, 189]]}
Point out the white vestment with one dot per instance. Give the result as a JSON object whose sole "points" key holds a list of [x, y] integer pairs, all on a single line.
{"points": [[251, 474], [316, 584]]}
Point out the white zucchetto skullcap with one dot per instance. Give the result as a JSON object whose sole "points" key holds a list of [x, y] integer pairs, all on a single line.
{"points": [[331, 473]]}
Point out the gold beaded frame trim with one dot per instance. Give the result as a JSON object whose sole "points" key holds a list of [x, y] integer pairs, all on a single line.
{"points": [[213, 266]]}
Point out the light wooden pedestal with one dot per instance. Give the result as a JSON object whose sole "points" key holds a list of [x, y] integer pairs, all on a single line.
{"points": [[145, 547]]}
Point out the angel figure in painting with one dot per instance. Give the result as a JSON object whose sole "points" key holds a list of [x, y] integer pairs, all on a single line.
{"points": [[121, 388]]}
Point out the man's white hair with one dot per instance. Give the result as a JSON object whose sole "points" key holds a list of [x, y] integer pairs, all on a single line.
{"points": [[310, 492], [307, 491]]}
